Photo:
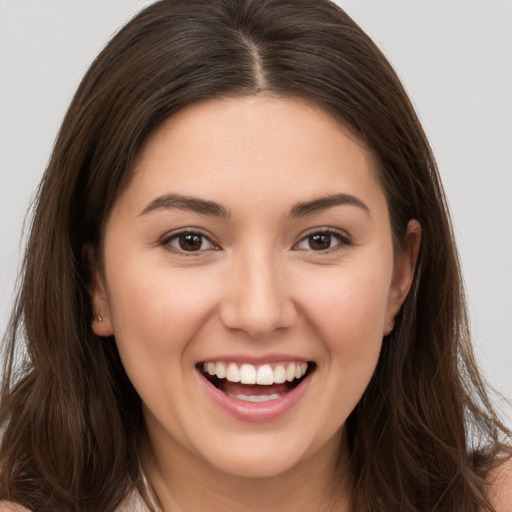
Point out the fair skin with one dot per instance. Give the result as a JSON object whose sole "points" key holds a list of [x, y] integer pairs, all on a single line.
{"points": [[289, 262], [266, 276]]}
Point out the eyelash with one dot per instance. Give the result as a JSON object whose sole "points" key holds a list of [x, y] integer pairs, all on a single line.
{"points": [[342, 241]]}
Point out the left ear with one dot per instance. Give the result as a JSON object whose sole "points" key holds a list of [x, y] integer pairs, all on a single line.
{"points": [[403, 273]]}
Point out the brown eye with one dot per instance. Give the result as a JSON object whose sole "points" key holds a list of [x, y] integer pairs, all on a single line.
{"points": [[189, 242], [322, 241]]}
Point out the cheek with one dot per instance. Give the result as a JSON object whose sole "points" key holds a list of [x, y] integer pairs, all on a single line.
{"points": [[156, 316], [156, 310], [350, 306], [348, 312]]}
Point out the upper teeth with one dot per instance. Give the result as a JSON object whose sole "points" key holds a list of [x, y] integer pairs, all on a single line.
{"points": [[265, 374]]}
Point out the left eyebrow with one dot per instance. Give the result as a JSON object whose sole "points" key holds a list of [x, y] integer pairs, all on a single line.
{"points": [[323, 203]]}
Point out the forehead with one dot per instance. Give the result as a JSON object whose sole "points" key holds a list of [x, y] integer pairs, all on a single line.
{"points": [[257, 145]]}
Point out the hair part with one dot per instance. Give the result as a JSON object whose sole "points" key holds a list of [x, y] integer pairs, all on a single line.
{"points": [[70, 417]]}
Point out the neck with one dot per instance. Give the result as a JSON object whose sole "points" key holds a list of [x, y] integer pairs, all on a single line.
{"points": [[181, 483]]}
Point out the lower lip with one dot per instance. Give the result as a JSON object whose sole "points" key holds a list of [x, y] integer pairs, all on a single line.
{"points": [[256, 412]]}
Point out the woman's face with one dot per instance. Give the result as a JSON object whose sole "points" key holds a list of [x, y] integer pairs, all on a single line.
{"points": [[252, 243]]}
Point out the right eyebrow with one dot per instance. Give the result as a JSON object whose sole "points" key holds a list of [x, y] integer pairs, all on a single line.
{"points": [[188, 203]]}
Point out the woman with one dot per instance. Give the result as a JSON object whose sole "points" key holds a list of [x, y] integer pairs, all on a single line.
{"points": [[241, 290]]}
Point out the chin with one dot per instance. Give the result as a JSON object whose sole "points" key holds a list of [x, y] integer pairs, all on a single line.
{"points": [[268, 457], [260, 468]]}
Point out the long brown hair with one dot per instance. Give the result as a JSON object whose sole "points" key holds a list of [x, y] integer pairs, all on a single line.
{"points": [[424, 435]]}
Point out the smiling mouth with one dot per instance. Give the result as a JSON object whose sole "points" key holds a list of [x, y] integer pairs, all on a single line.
{"points": [[256, 383]]}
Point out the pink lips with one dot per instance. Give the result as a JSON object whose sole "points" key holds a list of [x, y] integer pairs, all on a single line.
{"points": [[255, 412]]}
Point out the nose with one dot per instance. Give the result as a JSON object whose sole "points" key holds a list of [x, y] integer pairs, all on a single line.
{"points": [[257, 298]]}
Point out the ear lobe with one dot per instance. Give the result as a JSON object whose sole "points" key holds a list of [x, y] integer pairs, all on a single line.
{"points": [[102, 319], [403, 273]]}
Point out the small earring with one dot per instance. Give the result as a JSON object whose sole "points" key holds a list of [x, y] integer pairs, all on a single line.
{"points": [[98, 318]]}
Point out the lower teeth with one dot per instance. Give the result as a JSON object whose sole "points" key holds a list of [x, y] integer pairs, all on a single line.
{"points": [[256, 398]]}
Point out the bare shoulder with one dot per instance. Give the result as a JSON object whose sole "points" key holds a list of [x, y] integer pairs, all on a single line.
{"points": [[500, 492], [7, 506]]}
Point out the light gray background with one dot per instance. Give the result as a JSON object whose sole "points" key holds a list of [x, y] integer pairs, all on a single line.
{"points": [[455, 58]]}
